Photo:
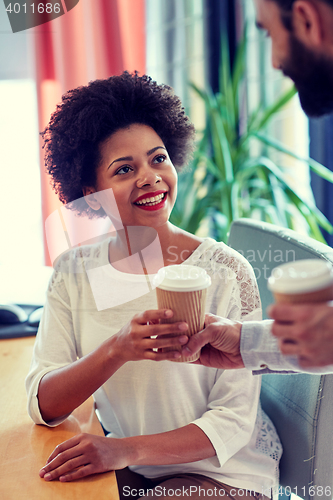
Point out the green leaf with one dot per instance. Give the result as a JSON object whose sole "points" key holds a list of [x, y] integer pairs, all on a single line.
{"points": [[317, 167], [279, 198], [221, 148], [226, 87], [274, 108], [202, 93], [238, 72], [266, 163], [310, 219]]}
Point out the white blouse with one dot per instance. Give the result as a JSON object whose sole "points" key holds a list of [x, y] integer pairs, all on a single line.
{"points": [[89, 300]]}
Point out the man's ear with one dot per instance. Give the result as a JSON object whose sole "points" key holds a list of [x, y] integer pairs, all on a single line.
{"points": [[307, 23], [91, 198]]}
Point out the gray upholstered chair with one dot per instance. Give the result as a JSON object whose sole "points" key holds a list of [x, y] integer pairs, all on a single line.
{"points": [[300, 405]]}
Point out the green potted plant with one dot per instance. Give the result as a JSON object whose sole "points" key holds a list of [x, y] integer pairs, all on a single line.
{"points": [[226, 181]]}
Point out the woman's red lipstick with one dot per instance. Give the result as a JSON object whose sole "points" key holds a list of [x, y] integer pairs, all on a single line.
{"points": [[152, 205]]}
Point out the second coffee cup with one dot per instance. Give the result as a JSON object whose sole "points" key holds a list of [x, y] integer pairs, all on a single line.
{"points": [[302, 281]]}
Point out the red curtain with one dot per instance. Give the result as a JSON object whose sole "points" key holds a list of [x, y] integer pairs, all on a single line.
{"points": [[95, 39]]}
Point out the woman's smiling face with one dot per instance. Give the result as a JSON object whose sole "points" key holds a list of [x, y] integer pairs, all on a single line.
{"points": [[136, 166]]}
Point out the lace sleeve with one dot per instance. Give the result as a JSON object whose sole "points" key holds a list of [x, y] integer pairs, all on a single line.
{"points": [[246, 288], [234, 285]]}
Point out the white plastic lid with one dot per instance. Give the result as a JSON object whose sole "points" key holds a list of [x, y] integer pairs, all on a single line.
{"points": [[182, 278], [306, 275]]}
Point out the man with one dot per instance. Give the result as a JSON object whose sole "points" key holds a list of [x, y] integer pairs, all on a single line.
{"points": [[302, 48]]}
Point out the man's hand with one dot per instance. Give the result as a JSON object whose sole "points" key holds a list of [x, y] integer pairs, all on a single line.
{"points": [[219, 343], [305, 331]]}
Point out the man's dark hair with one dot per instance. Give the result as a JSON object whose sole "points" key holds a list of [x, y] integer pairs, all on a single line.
{"points": [[286, 6], [88, 115]]}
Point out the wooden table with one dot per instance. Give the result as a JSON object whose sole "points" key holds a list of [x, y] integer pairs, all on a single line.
{"points": [[25, 447]]}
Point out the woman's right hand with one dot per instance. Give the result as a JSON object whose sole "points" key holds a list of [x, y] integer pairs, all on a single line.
{"points": [[135, 341]]}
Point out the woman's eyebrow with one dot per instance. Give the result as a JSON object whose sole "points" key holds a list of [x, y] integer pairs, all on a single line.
{"points": [[151, 151], [130, 158], [123, 158]]}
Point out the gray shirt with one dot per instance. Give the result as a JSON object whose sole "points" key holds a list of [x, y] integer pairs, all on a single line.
{"points": [[261, 353]]}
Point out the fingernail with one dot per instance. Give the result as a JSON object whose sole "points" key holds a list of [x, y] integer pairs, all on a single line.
{"points": [[182, 326], [168, 313], [177, 355], [47, 477], [42, 473], [183, 339]]}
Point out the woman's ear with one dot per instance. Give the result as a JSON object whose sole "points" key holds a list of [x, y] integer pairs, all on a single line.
{"points": [[307, 23], [89, 196]]}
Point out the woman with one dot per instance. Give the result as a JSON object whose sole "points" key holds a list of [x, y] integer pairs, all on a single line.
{"points": [[118, 142]]}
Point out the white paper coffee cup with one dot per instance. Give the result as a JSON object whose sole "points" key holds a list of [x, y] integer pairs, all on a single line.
{"points": [[182, 289], [308, 280]]}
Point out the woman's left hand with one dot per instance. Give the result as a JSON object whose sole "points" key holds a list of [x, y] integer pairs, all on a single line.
{"points": [[83, 455]]}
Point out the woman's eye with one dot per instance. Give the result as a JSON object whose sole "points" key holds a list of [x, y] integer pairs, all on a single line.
{"points": [[124, 170], [159, 159]]}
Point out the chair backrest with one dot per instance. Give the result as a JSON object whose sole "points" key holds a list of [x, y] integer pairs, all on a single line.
{"points": [[300, 406]]}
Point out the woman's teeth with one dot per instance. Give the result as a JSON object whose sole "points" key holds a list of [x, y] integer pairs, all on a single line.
{"points": [[154, 200]]}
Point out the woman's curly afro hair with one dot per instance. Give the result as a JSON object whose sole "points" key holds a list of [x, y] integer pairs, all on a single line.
{"points": [[88, 115]]}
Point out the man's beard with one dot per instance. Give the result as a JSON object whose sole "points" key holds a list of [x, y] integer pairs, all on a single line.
{"points": [[313, 78]]}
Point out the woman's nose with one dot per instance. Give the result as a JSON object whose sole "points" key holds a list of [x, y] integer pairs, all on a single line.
{"points": [[148, 178]]}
